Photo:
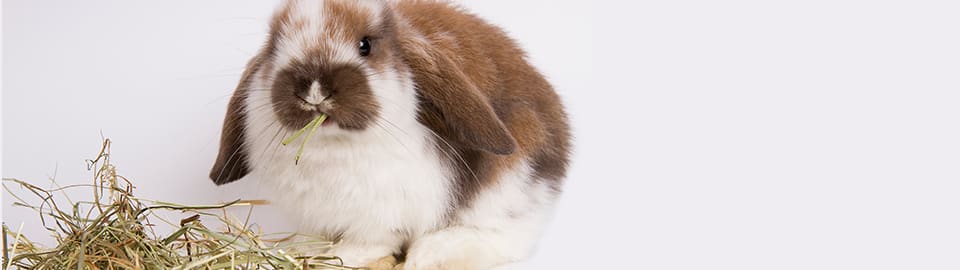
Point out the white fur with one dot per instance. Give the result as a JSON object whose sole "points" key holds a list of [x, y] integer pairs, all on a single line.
{"points": [[314, 93], [366, 185], [292, 44], [386, 185], [503, 225]]}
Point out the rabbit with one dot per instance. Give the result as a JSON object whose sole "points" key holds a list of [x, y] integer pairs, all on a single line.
{"points": [[443, 145]]}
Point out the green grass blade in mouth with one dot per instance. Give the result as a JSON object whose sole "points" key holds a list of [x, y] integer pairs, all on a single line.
{"points": [[312, 126], [297, 134], [318, 121]]}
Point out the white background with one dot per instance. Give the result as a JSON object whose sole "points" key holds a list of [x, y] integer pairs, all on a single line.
{"points": [[710, 134]]}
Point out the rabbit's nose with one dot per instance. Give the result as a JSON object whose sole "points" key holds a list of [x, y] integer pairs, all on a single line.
{"points": [[313, 94]]}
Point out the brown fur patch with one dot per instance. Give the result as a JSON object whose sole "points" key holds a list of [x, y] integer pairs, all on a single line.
{"points": [[231, 163], [347, 17], [459, 60]]}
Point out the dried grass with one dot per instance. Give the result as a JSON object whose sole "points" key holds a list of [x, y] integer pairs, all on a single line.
{"points": [[113, 230]]}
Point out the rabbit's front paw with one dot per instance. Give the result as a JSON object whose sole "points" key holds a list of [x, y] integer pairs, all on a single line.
{"points": [[385, 263], [449, 249]]}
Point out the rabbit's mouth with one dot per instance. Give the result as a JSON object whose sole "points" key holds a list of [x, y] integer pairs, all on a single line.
{"points": [[329, 122], [355, 116]]}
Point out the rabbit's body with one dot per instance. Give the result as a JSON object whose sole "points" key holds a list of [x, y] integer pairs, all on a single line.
{"points": [[444, 145]]}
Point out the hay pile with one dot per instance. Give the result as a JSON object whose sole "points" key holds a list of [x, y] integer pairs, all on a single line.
{"points": [[113, 230]]}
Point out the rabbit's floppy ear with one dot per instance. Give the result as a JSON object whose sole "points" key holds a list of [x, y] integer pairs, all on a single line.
{"points": [[452, 104], [231, 163]]}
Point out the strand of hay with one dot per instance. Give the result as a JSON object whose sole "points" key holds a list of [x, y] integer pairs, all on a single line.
{"points": [[113, 231]]}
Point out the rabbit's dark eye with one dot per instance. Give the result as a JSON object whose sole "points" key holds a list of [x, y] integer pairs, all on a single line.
{"points": [[365, 46]]}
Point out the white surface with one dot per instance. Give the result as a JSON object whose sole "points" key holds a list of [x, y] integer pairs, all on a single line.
{"points": [[713, 135]]}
